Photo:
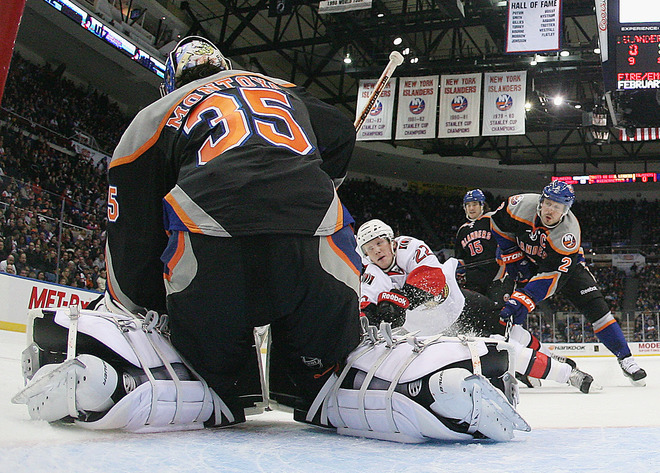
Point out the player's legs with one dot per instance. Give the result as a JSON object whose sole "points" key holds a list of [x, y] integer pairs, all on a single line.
{"points": [[582, 290], [213, 304], [319, 323]]}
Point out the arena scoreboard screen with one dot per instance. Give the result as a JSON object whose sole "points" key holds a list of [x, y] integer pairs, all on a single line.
{"points": [[633, 45]]}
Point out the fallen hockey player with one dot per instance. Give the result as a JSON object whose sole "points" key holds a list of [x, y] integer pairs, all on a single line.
{"points": [[103, 370]]}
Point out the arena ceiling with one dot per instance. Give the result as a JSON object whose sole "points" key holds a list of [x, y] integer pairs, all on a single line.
{"points": [[308, 48]]}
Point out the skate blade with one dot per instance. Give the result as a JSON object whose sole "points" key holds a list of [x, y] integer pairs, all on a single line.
{"points": [[639, 383]]}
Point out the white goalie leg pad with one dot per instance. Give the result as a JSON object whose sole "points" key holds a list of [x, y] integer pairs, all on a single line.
{"points": [[413, 422], [74, 388], [154, 405], [374, 407]]}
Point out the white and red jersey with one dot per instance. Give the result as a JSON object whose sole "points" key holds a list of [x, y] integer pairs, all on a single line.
{"points": [[415, 265]]}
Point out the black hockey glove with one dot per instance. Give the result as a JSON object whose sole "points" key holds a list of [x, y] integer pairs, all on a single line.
{"points": [[392, 307]]}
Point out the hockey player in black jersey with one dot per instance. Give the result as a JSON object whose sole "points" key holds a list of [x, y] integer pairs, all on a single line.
{"points": [[540, 240], [475, 249]]}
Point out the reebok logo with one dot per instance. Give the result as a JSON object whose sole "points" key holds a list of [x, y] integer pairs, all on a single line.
{"points": [[588, 290], [395, 298]]}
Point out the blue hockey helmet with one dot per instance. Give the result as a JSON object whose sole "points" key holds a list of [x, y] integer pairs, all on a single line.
{"points": [[558, 191], [475, 195], [191, 51]]}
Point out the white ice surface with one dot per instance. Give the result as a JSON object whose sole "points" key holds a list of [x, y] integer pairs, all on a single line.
{"points": [[617, 430]]}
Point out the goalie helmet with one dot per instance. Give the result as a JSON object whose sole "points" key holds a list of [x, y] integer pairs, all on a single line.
{"points": [[190, 52], [373, 229], [558, 191]]}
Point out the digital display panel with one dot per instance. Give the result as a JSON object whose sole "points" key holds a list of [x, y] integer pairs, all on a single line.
{"points": [[609, 178], [97, 28], [637, 61]]}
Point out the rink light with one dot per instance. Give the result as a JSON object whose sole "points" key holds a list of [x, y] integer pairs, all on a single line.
{"points": [[397, 41], [558, 100]]}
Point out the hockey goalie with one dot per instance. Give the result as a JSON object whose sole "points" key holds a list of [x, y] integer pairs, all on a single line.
{"points": [[104, 370]]}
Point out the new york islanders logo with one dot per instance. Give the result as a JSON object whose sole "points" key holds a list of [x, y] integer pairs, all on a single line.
{"points": [[515, 200], [569, 241], [376, 109], [417, 106], [459, 104], [504, 102]]}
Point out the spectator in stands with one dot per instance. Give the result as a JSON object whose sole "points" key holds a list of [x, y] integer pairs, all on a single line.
{"points": [[4, 264]]}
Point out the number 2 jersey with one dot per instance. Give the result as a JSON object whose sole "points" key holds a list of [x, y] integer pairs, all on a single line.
{"points": [[234, 154], [555, 252]]}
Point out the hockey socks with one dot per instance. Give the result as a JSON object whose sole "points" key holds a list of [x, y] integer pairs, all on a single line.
{"points": [[609, 332]]}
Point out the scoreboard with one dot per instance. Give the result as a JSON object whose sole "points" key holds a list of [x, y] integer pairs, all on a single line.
{"points": [[633, 45]]}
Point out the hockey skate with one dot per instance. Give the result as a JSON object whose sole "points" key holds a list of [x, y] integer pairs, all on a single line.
{"points": [[632, 370], [583, 381]]}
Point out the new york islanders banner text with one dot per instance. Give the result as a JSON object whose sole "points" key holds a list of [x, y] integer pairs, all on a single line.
{"points": [[504, 103], [416, 113], [460, 105], [378, 124]]}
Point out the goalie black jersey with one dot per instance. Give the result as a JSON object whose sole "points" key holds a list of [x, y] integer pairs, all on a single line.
{"points": [[233, 154]]}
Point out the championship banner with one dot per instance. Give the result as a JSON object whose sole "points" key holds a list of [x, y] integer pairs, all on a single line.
{"points": [[416, 113], [460, 105], [378, 124], [504, 103], [533, 25], [338, 6]]}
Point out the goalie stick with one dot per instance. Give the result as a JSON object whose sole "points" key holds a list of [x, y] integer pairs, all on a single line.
{"points": [[396, 59]]}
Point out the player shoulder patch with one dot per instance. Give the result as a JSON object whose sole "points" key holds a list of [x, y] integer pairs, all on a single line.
{"points": [[367, 278], [515, 200], [569, 241]]}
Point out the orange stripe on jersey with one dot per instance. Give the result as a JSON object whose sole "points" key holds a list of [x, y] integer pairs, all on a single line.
{"points": [[515, 217], [342, 255], [553, 278], [147, 144], [607, 324], [339, 224], [183, 216], [180, 247]]}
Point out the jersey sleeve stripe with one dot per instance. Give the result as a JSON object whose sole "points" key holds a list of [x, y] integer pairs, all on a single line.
{"points": [[183, 216], [171, 264]]}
